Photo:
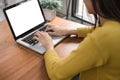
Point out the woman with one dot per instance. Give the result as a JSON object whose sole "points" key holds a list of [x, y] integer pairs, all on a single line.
{"points": [[98, 55]]}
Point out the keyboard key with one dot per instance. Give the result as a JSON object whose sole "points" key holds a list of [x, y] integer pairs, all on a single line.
{"points": [[29, 39]]}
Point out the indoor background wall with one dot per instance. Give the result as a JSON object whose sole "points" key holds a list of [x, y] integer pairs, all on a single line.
{"points": [[10, 2], [2, 5]]}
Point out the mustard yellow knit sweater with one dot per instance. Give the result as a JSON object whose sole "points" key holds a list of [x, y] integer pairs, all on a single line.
{"points": [[96, 58]]}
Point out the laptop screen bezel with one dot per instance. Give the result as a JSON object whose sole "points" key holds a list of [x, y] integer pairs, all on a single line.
{"points": [[29, 31]]}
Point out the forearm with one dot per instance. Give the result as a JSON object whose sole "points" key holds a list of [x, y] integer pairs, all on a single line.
{"points": [[54, 66], [81, 32], [71, 32]]}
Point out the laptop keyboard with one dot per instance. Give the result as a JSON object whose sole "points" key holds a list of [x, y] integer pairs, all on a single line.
{"points": [[29, 39]]}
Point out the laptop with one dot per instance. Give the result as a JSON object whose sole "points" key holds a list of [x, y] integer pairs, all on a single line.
{"points": [[24, 19]]}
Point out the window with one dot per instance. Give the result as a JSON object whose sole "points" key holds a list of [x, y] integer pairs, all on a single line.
{"points": [[79, 11]]}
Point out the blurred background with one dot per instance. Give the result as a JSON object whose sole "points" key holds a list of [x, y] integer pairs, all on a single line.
{"points": [[74, 10]]}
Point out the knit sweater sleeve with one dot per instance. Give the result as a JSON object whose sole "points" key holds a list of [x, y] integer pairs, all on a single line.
{"points": [[85, 57], [83, 31]]}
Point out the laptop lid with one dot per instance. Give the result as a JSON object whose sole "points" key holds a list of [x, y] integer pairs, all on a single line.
{"points": [[24, 17]]}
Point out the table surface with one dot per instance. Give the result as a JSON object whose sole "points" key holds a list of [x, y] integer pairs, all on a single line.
{"points": [[20, 63]]}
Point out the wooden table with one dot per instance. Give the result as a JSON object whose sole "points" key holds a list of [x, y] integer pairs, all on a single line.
{"points": [[20, 63]]}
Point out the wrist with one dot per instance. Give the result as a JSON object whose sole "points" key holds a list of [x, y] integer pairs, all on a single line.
{"points": [[71, 32], [49, 47]]}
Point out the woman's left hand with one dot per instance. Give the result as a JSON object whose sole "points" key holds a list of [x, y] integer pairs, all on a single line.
{"points": [[44, 39]]}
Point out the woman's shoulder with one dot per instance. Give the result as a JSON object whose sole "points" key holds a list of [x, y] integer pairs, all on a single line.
{"points": [[107, 34], [108, 28]]}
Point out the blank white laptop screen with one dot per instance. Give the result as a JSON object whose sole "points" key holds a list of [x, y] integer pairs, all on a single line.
{"points": [[25, 16]]}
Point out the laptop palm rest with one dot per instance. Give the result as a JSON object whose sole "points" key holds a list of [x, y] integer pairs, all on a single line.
{"points": [[39, 47]]}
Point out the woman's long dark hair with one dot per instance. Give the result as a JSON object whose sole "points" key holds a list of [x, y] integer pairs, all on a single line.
{"points": [[109, 9]]}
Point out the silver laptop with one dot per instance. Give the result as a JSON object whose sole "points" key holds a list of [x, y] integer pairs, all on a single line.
{"points": [[24, 19]]}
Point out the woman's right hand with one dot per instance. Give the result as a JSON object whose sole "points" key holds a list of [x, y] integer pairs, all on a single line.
{"points": [[56, 30]]}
